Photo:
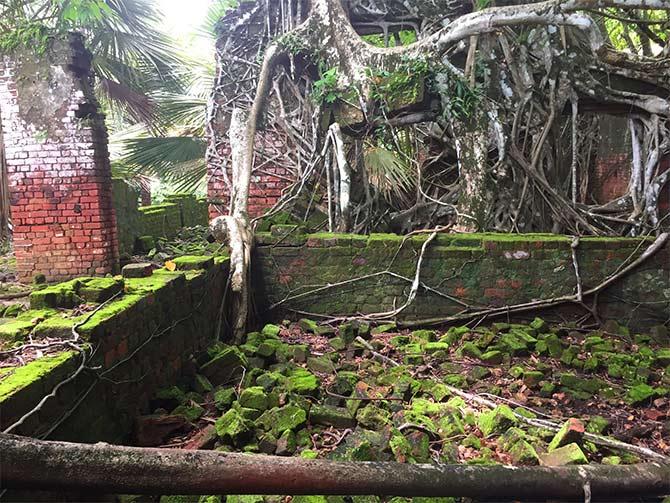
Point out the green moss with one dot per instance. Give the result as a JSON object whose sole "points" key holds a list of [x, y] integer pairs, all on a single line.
{"points": [[279, 419], [99, 289], [15, 331], [302, 382], [63, 295], [109, 311], [193, 262], [159, 279], [497, 420], [254, 398], [22, 377], [190, 412]]}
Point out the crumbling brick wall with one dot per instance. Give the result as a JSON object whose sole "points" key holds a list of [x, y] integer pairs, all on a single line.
{"points": [[610, 174], [268, 179], [293, 271], [58, 167]]}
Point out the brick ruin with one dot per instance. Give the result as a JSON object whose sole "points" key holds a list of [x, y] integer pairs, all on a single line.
{"points": [[59, 175]]}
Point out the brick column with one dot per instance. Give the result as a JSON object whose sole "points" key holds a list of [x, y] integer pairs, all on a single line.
{"points": [[267, 181], [57, 163]]}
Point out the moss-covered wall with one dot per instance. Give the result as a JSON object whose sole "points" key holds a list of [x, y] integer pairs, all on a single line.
{"points": [[470, 269], [158, 220], [142, 339]]}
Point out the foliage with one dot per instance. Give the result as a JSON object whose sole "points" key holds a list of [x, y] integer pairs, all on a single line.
{"points": [[404, 37], [389, 171], [25, 34], [179, 160], [292, 43], [461, 98], [326, 88], [637, 31]]}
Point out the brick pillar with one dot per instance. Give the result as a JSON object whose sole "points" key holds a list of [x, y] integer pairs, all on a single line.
{"points": [[58, 167], [268, 179]]}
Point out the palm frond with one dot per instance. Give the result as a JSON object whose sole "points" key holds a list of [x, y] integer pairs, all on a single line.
{"points": [[390, 173], [179, 160]]}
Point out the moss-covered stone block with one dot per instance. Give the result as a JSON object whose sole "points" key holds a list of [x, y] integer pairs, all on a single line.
{"points": [[327, 415], [254, 397], [279, 419], [302, 382], [570, 454], [233, 427], [99, 289], [230, 361], [496, 421], [193, 262], [63, 295]]}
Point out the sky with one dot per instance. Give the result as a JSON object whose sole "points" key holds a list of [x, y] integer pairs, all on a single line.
{"points": [[183, 16]]}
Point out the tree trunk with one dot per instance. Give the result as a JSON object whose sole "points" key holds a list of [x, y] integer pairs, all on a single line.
{"points": [[35, 464], [476, 196], [4, 191]]}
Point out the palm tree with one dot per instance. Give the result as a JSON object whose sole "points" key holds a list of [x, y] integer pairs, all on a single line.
{"points": [[175, 152]]}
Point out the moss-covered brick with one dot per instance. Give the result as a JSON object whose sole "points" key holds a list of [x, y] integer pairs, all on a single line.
{"points": [[640, 393], [320, 365], [279, 419], [532, 378], [224, 397], [372, 417], [492, 357], [13, 310], [662, 358], [233, 427], [138, 270], [470, 349], [382, 329], [308, 325], [327, 415], [571, 431], [514, 343], [497, 420], [14, 331], [23, 387], [302, 382], [201, 384], [228, 362], [191, 412], [268, 348], [99, 289], [62, 295], [433, 347], [597, 424], [254, 398], [345, 381], [271, 331], [570, 454], [592, 386], [193, 262]]}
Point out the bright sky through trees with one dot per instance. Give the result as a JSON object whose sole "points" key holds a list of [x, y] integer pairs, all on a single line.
{"points": [[182, 18]]}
